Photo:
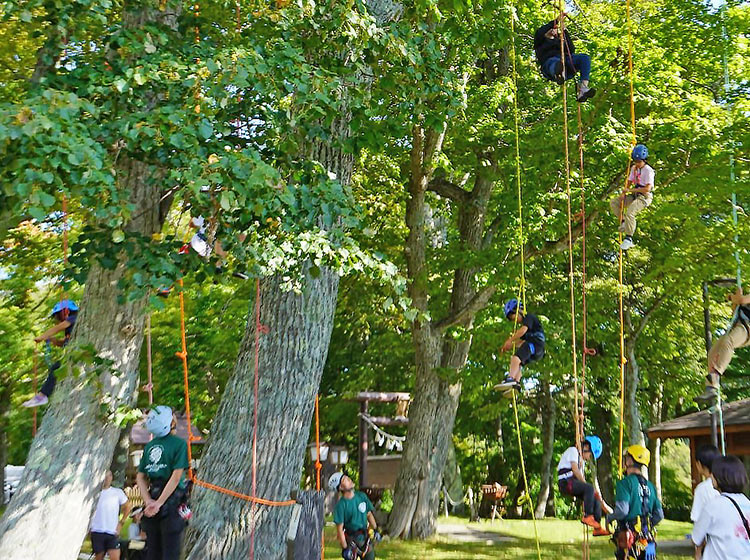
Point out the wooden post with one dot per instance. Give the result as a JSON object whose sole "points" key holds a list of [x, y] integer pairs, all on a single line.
{"points": [[363, 445], [303, 541]]}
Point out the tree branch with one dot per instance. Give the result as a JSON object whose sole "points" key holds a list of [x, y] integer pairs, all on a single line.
{"points": [[446, 189], [472, 307]]}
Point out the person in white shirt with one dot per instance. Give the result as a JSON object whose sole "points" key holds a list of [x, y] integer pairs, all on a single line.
{"points": [[571, 481], [705, 491], [637, 195], [723, 525], [111, 510]]}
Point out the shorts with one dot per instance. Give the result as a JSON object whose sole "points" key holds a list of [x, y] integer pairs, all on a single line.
{"points": [[530, 352], [102, 542]]}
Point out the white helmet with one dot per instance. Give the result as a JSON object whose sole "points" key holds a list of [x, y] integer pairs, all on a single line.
{"points": [[159, 421], [335, 481]]}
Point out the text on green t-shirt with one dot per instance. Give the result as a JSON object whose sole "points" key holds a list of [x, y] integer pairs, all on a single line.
{"points": [[162, 456], [352, 512]]}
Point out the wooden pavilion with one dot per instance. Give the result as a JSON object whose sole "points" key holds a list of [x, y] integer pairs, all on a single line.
{"points": [[697, 428]]}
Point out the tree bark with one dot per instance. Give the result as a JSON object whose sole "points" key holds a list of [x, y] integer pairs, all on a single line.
{"points": [[74, 445], [453, 482], [603, 421], [291, 360], [548, 419]]}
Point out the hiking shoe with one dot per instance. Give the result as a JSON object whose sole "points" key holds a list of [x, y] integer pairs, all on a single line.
{"points": [[507, 384], [627, 243], [591, 522], [709, 395], [601, 532], [584, 93], [37, 400]]}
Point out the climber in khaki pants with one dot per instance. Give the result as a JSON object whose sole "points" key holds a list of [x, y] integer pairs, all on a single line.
{"points": [[721, 353]]}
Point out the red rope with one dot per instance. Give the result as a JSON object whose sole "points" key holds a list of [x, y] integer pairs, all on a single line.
{"points": [[318, 467]]}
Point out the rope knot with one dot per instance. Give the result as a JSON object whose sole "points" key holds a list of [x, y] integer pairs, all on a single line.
{"points": [[589, 351]]}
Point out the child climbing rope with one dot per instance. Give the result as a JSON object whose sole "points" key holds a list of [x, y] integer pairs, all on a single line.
{"points": [[353, 518], [637, 509], [547, 49], [571, 481], [531, 346], [162, 484], [65, 313], [722, 351], [634, 198]]}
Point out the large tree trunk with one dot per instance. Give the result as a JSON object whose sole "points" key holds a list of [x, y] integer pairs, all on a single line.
{"points": [[453, 483], [548, 418], [603, 421], [632, 411], [74, 445], [291, 360]]}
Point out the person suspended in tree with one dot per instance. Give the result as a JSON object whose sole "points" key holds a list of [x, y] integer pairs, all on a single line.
{"points": [[528, 342], [353, 518], [572, 482], [161, 482], [547, 48], [65, 313], [722, 351], [637, 195], [637, 509]]}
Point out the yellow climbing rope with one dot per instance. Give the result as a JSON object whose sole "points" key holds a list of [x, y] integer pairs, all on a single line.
{"points": [[522, 286]]}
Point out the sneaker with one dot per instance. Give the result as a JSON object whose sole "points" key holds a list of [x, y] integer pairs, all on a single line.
{"points": [[37, 400], [584, 93], [591, 522], [240, 275], [508, 383], [601, 532], [709, 395], [626, 244]]}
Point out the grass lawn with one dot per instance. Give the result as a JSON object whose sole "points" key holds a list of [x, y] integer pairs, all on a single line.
{"points": [[558, 539]]}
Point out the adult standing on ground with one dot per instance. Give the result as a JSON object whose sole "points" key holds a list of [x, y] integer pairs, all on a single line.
{"points": [[112, 509], [724, 524], [161, 481]]}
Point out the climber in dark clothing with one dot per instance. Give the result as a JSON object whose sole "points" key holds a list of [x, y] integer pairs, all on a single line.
{"points": [[547, 49]]}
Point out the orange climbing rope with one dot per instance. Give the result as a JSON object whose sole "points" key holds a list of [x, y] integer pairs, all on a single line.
{"points": [[318, 467]]}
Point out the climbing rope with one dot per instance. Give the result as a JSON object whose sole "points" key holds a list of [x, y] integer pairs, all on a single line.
{"points": [[621, 287], [522, 286], [318, 467], [149, 362]]}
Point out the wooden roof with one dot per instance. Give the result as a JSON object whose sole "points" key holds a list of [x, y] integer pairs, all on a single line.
{"points": [[140, 435], [736, 419]]}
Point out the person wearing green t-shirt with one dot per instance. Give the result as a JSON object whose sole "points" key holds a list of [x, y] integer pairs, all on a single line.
{"points": [[353, 518], [637, 509], [161, 481]]}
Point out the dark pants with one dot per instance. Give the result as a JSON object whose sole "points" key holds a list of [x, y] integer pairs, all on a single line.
{"points": [[361, 540], [581, 63], [574, 487], [49, 384], [164, 536]]}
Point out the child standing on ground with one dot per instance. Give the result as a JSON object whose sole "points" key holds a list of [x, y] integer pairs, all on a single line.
{"points": [[705, 491], [65, 313], [637, 195], [528, 341]]}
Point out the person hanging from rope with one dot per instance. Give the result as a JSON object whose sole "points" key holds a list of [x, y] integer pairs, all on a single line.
{"points": [[572, 482], [353, 518], [547, 49], [637, 195], [722, 351], [637, 509], [528, 341], [161, 482], [65, 313]]}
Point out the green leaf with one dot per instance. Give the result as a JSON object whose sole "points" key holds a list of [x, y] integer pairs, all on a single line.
{"points": [[118, 236], [46, 199]]}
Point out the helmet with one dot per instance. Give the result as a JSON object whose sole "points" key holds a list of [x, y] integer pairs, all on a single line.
{"points": [[596, 445], [511, 306], [335, 481], [64, 304], [159, 420], [639, 454], [640, 152]]}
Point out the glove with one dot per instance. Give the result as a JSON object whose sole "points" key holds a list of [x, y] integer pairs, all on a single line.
{"points": [[377, 536], [347, 554], [651, 551]]}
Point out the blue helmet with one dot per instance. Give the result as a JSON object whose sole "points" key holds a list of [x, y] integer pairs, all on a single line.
{"points": [[159, 421], [64, 304], [596, 446], [512, 306], [640, 152]]}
